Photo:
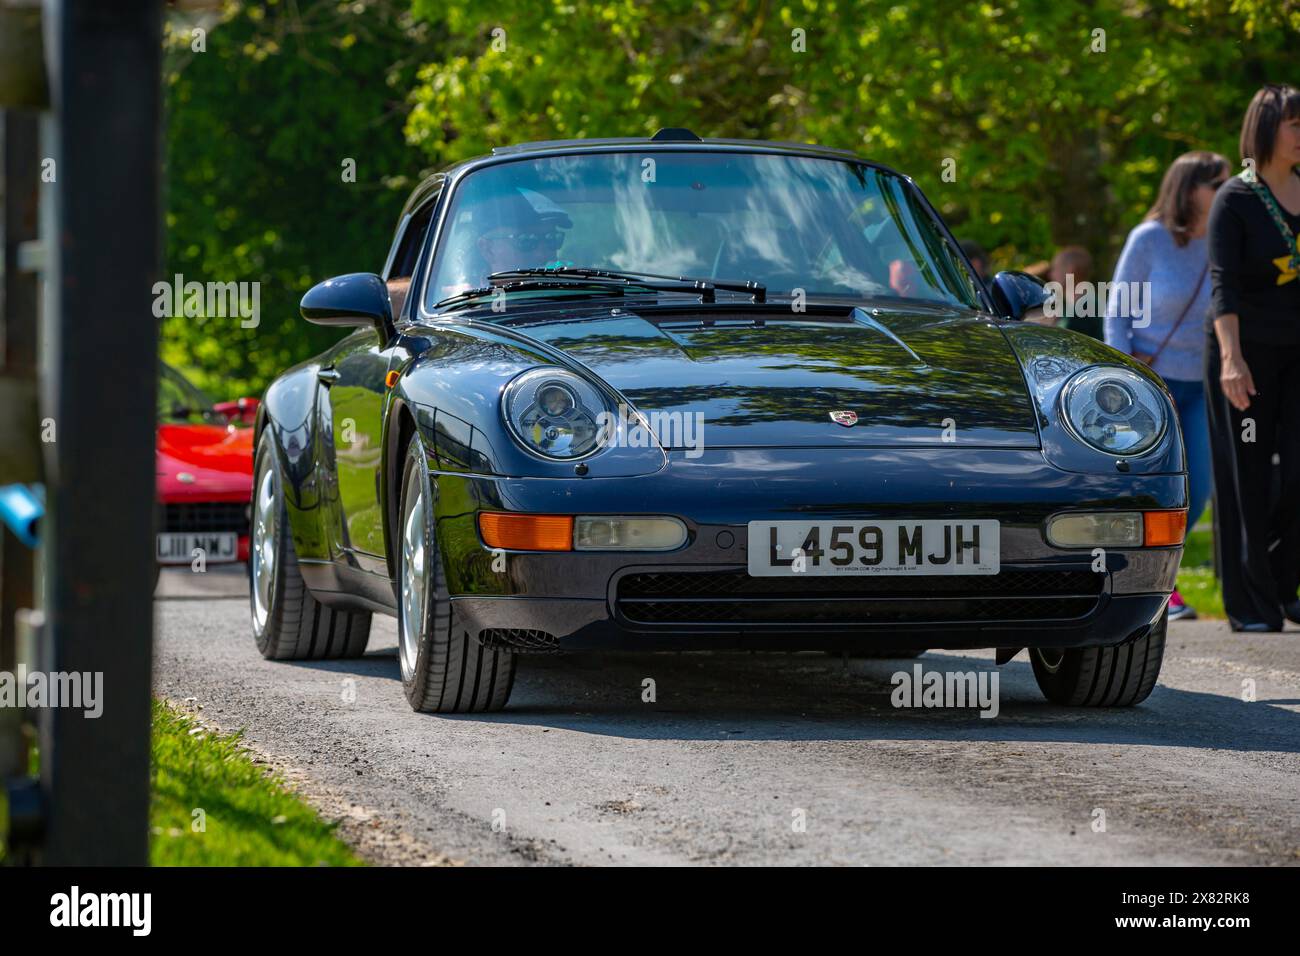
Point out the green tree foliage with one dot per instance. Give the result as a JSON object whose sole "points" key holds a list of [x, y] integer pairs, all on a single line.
{"points": [[1046, 137], [1053, 121], [258, 127]]}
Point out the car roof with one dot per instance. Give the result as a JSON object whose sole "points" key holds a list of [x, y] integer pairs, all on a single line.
{"points": [[666, 139], [669, 138]]}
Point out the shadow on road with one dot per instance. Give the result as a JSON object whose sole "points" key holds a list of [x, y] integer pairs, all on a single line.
{"points": [[812, 697], [740, 696]]}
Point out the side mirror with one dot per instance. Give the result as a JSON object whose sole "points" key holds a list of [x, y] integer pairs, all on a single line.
{"points": [[242, 410], [1016, 294], [356, 299]]}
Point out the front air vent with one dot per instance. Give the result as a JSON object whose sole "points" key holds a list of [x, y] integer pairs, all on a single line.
{"points": [[518, 639], [692, 598]]}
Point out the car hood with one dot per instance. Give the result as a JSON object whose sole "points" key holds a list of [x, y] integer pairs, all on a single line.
{"points": [[919, 376], [204, 460]]}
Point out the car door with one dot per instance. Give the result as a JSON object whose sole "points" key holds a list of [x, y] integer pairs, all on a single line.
{"points": [[357, 393], [355, 381]]}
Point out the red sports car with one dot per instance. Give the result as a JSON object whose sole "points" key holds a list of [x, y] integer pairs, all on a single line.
{"points": [[205, 473]]}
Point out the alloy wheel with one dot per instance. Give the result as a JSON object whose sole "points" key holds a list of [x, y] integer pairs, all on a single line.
{"points": [[262, 553], [414, 576]]}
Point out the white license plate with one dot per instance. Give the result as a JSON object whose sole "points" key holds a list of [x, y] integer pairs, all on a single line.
{"points": [[177, 547], [880, 546]]}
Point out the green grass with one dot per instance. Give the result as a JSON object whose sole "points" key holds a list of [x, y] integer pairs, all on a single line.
{"points": [[249, 817], [1196, 581]]}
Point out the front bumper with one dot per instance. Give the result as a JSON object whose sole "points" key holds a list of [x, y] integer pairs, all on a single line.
{"points": [[200, 514], [541, 624], [1044, 596]]}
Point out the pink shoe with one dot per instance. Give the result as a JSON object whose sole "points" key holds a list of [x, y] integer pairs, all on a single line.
{"points": [[1180, 610]]}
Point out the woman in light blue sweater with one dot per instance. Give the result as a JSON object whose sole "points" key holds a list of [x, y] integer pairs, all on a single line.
{"points": [[1164, 324]]}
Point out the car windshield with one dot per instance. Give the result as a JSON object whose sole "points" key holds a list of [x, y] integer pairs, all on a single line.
{"points": [[827, 227], [179, 402]]}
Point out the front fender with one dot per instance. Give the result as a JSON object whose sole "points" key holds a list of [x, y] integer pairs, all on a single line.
{"points": [[288, 411], [453, 388], [1049, 356]]}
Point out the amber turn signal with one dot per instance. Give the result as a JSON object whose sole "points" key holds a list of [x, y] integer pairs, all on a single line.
{"points": [[1164, 528], [516, 532]]}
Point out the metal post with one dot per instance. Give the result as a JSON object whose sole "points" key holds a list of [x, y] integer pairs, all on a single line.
{"points": [[99, 381], [20, 179], [19, 459]]}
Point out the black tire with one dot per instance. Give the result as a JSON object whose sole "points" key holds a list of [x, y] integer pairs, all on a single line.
{"points": [[1118, 676], [882, 654], [444, 669], [295, 626]]}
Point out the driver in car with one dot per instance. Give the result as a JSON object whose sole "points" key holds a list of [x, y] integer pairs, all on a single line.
{"points": [[513, 234]]}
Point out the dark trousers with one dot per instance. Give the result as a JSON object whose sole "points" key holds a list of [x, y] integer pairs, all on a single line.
{"points": [[1257, 504]]}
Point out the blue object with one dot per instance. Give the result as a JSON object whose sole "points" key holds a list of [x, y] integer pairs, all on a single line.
{"points": [[1151, 255], [21, 508], [1189, 398]]}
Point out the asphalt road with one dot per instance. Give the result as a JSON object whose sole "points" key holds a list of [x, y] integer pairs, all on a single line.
{"points": [[754, 759]]}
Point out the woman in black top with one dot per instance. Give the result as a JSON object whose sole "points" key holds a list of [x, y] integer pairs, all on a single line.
{"points": [[1252, 374]]}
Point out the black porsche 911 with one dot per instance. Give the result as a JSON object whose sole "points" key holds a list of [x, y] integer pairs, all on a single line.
{"points": [[673, 393]]}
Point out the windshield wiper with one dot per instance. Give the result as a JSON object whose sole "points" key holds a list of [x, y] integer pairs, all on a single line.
{"points": [[748, 287], [599, 278], [527, 280]]}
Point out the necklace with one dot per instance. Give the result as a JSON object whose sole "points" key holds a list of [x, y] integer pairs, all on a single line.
{"points": [[1289, 265]]}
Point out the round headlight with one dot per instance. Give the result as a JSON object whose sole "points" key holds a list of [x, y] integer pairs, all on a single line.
{"points": [[554, 413], [555, 399], [1114, 410]]}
